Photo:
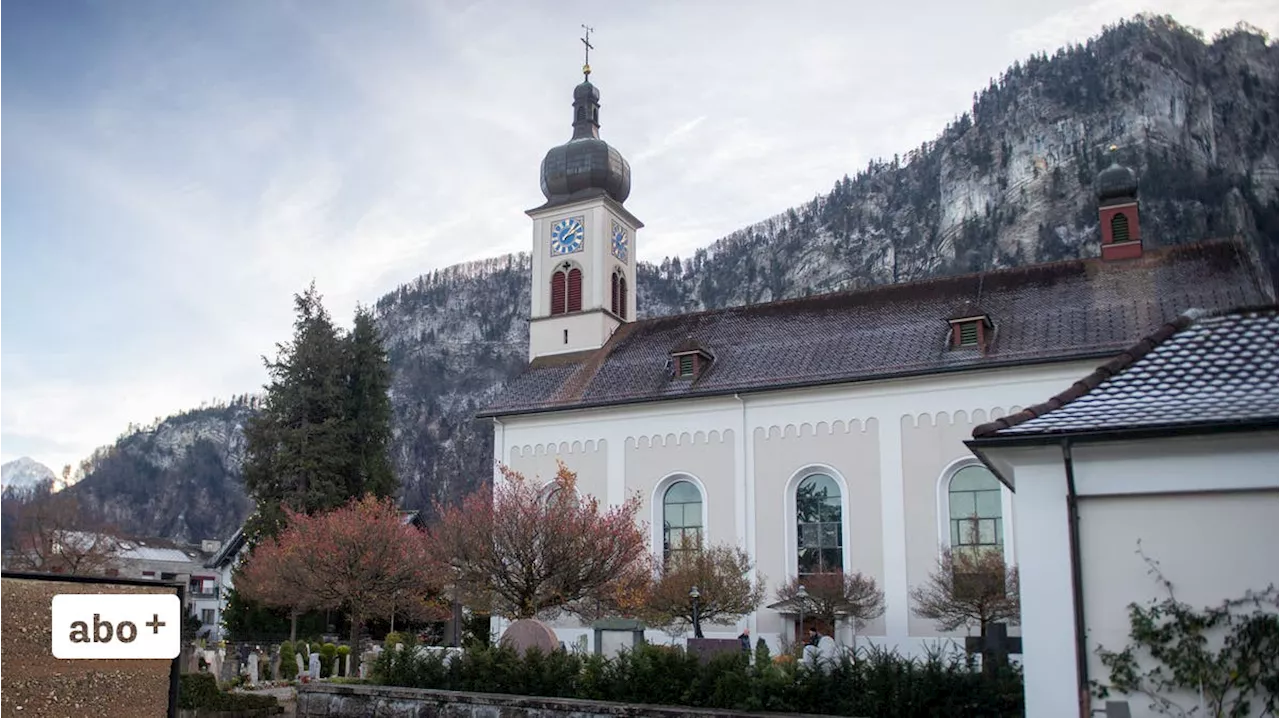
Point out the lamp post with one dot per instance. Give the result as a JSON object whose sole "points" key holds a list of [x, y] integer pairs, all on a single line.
{"points": [[697, 625], [803, 597]]}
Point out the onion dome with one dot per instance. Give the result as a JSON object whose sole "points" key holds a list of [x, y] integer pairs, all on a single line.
{"points": [[1117, 181], [586, 164]]}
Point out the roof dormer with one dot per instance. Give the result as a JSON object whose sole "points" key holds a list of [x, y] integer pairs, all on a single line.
{"points": [[690, 359], [970, 332]]}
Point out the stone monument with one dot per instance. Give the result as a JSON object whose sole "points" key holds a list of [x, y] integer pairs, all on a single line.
{"points": [[527, 634]]}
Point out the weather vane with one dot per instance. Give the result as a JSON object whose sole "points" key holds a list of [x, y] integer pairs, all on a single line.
{"points": [[586, 52]]}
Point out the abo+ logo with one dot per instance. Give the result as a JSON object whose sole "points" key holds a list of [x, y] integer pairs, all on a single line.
{"points": [[116, 625]]}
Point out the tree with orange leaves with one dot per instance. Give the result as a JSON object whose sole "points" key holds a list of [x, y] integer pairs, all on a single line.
{"points": [[363, 558], [526, 552]]}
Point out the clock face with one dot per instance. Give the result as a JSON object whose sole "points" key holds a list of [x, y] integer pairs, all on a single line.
{"points": [[620, 242], [566, 236]]}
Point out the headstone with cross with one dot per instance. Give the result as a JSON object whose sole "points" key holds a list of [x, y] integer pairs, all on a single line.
{"points": [[995, 645]]}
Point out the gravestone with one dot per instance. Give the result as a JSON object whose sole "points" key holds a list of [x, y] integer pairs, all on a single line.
{"points": [[366, 663], [706, 648], [995, 646], [302, 670], [190, 659], [613, 635], [230, 667], [314, 669], [528, 633], [275, 662], [253, 666]]}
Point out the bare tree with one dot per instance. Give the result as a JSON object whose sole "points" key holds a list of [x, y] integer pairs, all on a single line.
{"points": [[835, 595], [972, 585], [55, 534]]}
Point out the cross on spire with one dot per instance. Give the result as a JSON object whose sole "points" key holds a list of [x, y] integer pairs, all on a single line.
{"points": [[586, 52]]}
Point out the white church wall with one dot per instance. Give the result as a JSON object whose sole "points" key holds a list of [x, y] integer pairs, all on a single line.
{"points": [[909, 461], [849, 452], [932, 449], [703, 458]]}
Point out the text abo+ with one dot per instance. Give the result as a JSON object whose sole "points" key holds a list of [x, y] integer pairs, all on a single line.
{"points": [[97, 625]]}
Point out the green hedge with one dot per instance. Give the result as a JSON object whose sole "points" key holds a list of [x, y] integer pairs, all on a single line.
{"points": [[200, 690], [877, 683]]}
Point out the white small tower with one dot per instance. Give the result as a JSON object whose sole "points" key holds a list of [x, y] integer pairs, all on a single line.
{"points": [[584, 256]]}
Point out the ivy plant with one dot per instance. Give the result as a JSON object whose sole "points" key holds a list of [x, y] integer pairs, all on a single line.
{"points": [[1222, 656]]}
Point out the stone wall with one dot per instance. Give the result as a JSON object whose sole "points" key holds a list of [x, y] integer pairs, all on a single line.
{"points": [[361, 701]]}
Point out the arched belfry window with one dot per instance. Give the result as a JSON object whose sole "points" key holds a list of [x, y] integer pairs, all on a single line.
{"points": [[681, 519], [1119, 228], [618, 294], [566, 290], [975, 510], [819, 526]]}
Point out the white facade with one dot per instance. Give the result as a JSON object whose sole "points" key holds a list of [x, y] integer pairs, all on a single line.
{"points": [[890, 445], [1204, 507], [600, 218]]}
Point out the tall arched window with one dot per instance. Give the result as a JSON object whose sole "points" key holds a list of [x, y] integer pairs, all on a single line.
{"points": [[618, 294], [559, 285], [575, 290], [566, 291], [681, 519], [819, 526], [1119, 228], [974, 514]]}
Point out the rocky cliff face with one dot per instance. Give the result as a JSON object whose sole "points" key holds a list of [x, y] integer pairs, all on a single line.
{"points": [[178, 478], [1007, 183]]}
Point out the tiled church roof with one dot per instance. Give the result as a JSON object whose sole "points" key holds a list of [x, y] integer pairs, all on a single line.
{"points": [[1047, 312], [1216, 369]]}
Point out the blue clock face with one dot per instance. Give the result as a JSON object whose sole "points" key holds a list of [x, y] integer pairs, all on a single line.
{"points": [[620, 242], [566, 236]]}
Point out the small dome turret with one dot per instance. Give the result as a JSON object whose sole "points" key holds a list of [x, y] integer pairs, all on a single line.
{"points": [[1116, 181]]}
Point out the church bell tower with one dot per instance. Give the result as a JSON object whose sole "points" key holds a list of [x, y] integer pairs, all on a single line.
{"points": [[583, 238]]}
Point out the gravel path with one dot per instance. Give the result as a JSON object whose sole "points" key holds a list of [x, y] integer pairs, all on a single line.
{"points": [[35, 684]]}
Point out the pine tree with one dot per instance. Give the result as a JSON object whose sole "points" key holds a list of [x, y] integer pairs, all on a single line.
{"points": [[298, 447], [369, 410]]}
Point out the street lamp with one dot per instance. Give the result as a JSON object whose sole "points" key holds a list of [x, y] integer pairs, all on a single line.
{"points": [[697, 625], [803, 597]]}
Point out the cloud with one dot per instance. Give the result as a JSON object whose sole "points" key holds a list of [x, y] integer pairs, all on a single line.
{"points": [[183, 173]]}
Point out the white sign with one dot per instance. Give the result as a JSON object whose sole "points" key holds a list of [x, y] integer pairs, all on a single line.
{"points": [[97, 625]]}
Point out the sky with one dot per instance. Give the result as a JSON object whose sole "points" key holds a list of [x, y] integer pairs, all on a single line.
{"points": [[173, 173]]}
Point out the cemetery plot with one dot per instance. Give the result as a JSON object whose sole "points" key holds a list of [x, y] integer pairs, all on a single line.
{"points": [[34, 684]]}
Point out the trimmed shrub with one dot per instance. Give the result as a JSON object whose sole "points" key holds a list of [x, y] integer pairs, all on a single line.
{"points": [[877, 682], [288, 663], [327, 653]]}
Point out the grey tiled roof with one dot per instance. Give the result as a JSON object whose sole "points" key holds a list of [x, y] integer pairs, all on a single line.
{"points": [[1215, 369], [1048, 312]]}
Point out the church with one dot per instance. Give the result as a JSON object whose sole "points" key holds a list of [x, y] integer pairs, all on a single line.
{"points": [[719, 419]]}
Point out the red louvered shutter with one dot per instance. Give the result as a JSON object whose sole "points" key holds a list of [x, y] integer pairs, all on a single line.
{"points": [[613, 293], [557, 292], [575, 290], [622, 297]]}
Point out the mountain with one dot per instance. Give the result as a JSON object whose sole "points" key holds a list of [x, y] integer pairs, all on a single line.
{"points": [[25, 474], [178, 478], [1008, 182]]}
